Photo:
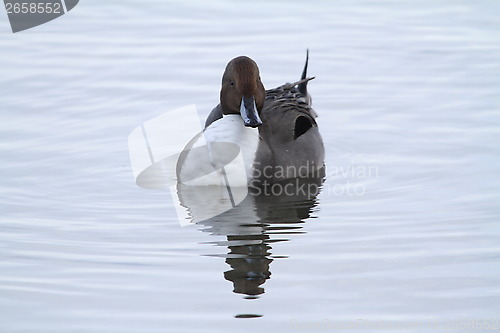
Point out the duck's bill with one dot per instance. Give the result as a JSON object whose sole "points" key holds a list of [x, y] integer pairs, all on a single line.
{"points": [[249, 113]]}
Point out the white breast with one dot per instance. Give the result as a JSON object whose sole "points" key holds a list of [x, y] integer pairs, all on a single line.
{"points": [[225, 152]]}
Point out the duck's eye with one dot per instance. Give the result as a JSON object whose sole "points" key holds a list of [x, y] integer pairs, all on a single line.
{"points": [[231, 83]]}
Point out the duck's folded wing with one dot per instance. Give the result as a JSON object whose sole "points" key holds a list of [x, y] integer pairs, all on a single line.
{"points": [[215, 115]]}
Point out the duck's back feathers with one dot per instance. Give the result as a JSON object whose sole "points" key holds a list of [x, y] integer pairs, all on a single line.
{"points": [[290, 139]]}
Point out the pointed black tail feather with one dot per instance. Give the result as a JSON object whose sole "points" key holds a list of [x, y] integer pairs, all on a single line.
{"points": [[303, 85]]}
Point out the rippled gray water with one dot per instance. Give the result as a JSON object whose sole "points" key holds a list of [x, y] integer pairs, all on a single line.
{"points": [[405, 230]]}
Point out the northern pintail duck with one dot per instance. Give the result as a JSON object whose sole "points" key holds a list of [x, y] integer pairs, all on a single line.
{"points": [[271, 135]]}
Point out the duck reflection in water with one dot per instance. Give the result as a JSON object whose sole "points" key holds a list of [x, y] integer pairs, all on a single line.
{"points": [[264, 217]]}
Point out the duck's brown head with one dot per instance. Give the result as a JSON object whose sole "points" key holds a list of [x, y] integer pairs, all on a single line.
{"points": [[242, 91]]}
